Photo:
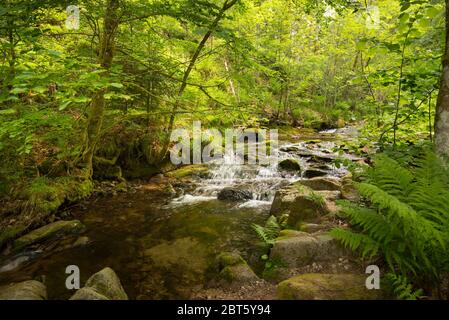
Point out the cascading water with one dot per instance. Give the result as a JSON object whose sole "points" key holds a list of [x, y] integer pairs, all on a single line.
{"points": [[263, 180]]}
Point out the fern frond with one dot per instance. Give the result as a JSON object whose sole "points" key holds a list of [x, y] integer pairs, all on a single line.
{"points": [[356, 242], [402, 287]]}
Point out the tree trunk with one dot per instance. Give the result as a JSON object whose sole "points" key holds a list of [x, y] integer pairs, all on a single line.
{"points": [[442, 110], [228, 4], [106, 55]]}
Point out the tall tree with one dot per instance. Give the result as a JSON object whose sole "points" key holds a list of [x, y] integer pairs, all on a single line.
{"points": [[105, 58], [442, 112]]}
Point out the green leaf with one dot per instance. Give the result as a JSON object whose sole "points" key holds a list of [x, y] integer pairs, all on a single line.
{"points": [[64, 105], [432, 12], [116, 85]]}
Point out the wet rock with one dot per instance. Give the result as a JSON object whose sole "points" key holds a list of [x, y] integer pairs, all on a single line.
{"points": [[298, 249], [185, 259], [53, 230], [322, 184], [103, 285], [348, 190], [234, 270], [302, 204], [290, 165], [313, 173], [27, 290], [314, 286], [234, 194]]}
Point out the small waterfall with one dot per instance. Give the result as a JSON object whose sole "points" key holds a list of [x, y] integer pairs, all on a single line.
{"points": [[226, 170], [262, 180]]}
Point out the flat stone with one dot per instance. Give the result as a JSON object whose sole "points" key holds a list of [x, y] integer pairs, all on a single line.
{"points": [[294, 251], [298, 249], [314, 286]]}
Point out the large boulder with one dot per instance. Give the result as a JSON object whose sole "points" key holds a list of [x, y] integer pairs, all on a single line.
{"points": [[290, 165], [52, 230], [234, 194], [301, 203], [103, 285], [314, 286], [322, 184], [27, 290], [297, 249], [234, 270]]}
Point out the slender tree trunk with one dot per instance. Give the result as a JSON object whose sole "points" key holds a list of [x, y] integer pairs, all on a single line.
{"points": [[106, 55], [442, 109], [231, 83], [228, 4]]}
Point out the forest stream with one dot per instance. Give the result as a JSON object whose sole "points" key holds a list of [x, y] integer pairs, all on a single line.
{"points": [[163, 245]]}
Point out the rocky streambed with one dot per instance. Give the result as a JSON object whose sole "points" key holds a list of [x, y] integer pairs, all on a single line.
{"points": [[189, 234]]}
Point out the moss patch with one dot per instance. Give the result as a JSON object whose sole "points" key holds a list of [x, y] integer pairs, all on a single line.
{"points": [[187, 171]]}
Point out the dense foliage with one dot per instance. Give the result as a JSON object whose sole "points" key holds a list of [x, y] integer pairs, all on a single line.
{"points": [[405, 220]]}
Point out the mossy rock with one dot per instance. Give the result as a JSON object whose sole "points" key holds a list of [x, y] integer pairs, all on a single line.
{"points": [[226, 259], [302, 204], [103, 285], [199, 170], [287, 233], [53, 230], [27, 290], [234, 270], [326, 287], [88, 294], [238, 274], [45, 195], [298, 249]]}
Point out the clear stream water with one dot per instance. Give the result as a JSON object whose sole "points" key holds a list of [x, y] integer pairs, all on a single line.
{"points": [[164, 248]]}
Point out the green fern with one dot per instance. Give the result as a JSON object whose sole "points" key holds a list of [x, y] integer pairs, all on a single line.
{"points": [[269, 232], [402, 288], [405, 219]]}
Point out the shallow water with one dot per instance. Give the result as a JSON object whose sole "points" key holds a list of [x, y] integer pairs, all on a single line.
{"points": [[123, 227]]}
